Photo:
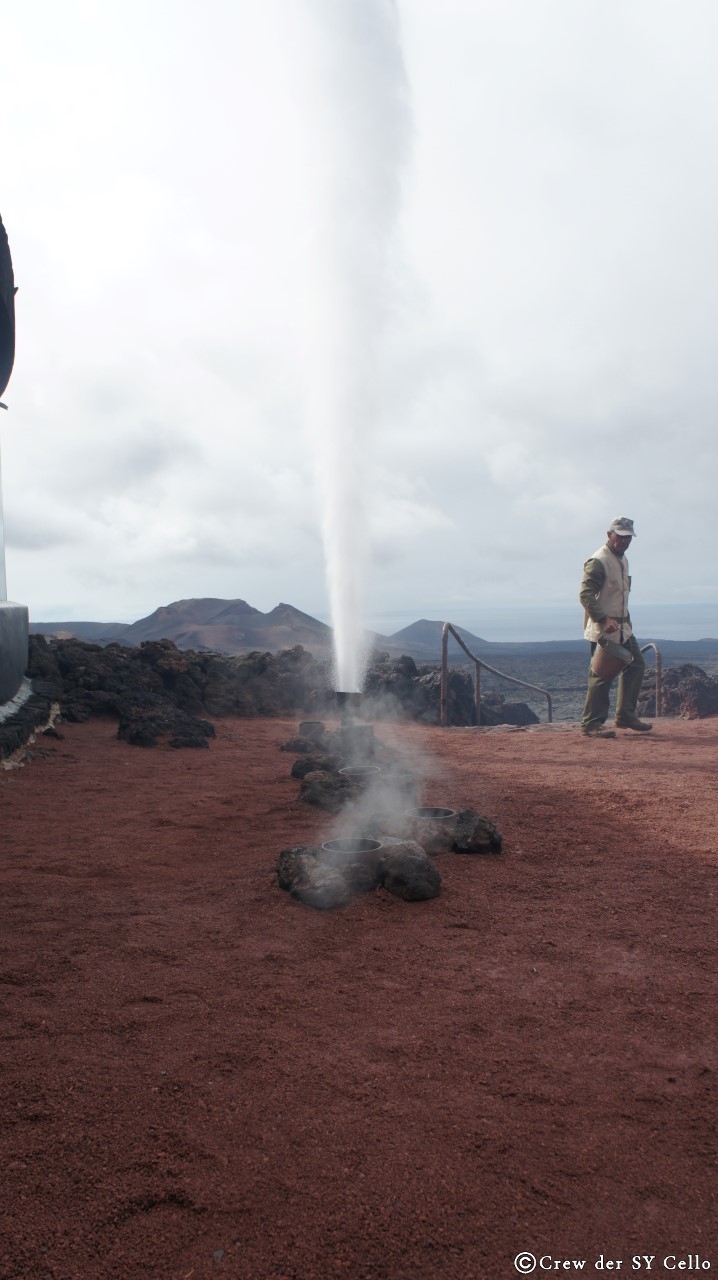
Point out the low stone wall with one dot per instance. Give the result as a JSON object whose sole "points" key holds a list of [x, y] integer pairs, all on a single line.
{"points": [[161, 693]]}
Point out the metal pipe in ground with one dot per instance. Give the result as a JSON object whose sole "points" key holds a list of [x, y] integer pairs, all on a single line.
{"points": [[444, 717]]}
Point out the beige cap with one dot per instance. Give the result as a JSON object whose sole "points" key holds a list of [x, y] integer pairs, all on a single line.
{"points": [[623, 527]]}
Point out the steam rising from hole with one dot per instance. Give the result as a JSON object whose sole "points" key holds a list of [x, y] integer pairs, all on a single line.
{"points": [[360, 136]]}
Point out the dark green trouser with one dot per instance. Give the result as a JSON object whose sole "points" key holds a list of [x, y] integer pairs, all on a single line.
{"points": [[595, 711]]}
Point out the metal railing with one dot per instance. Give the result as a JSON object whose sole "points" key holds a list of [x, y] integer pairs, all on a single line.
{"points": [[651, 644], [479, 665]]}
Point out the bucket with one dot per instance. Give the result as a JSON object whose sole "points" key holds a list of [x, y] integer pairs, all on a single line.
{"points": [[357, 859], [433, 811], [356, 846], [362, 775], [609, 659], [433, 827]]}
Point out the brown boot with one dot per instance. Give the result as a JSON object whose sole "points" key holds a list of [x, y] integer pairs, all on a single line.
{"points": [[598, 732], [632, 722]]}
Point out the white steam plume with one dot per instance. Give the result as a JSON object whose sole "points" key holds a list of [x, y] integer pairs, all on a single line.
{"points": [[360, 132]]}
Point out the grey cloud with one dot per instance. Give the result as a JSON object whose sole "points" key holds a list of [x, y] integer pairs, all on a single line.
{"points": [[25, 531], [552, 303]]}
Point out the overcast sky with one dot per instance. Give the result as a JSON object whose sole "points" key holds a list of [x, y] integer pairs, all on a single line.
{"points": [[535, 183]]}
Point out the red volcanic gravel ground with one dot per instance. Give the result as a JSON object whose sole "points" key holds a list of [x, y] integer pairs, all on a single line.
{"points": [[202, 1077]]}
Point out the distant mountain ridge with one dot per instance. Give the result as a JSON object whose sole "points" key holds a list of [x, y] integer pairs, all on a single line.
{"points": [[234, 627], [227, 626], [426, 634]]}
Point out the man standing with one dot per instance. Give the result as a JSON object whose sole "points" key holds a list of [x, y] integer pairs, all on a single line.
{"points": [[604, 596]]}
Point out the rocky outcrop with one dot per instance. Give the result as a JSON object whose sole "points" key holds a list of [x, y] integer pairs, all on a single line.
{"points": [[146, 726], [303, 874], [326, 881], [687, 692], [92, 679], [159, 692], [496, 710], [315, 764], [407, 872], [395, 686], [325, 790], [476, 834], [434, 834]]}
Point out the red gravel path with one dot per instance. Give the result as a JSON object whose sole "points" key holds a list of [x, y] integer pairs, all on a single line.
{"points": [[204, 1078]]}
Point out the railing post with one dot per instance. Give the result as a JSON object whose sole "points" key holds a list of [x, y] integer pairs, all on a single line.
{"points": [[444, 706], [478, 664]]}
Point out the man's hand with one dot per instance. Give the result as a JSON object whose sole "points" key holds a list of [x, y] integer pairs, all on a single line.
{"points": [[609, 626]]}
